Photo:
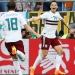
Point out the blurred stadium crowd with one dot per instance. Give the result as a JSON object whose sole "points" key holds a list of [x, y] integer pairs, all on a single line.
{"points": [[38, 6]]}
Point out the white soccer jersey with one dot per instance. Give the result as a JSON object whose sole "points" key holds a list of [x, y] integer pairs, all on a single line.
{"points": [[50, 23], [12, 22]]}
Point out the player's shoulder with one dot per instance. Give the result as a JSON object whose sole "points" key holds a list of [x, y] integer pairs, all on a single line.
{"points": [[12, 13], [49, 12], [3, 14], [46, 13], [19, 14]]}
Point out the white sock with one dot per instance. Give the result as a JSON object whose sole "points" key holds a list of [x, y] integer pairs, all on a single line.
{"points": [[21, 55], [37, 61], [58, 61], [17, 66]]}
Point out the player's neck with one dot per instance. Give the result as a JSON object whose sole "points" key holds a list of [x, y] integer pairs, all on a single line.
{"points": [[53, 12], [10, 10]]}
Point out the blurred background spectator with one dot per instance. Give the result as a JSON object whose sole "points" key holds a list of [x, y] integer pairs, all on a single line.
{"points": [[67, 6], [72, 25], [46, 6], [71, 34], [3, 6], [26, 6], [61, 33], [19, 7], [73, 7], [60, 6], [72, 31], [23, 31], [32, 5], [38, 6], [26, 34], [22, 6]]}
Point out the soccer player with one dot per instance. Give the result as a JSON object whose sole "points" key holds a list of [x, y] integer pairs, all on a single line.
{"points": [[12, 22], [51, 19]]}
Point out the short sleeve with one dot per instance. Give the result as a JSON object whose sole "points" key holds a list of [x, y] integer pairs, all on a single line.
{"points": [[59, 17], [44, 15], [22, 20]]}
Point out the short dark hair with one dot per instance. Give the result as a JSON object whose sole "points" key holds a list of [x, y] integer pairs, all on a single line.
{"points": [[61, 33], [11, 5], [23, 30], [53, 1]]}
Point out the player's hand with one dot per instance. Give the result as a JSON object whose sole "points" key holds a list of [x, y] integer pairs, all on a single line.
{"points": [[38, 35], [68, 26], [27, 20], [72, 30]]}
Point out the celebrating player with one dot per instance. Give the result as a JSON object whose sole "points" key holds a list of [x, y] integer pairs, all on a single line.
{"points": [[51, 19], [12, 22]]}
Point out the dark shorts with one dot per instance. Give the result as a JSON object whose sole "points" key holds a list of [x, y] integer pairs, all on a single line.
{"points": [[19, 46], [46, 42]]}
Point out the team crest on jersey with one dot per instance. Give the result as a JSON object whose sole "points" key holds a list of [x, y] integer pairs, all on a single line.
{"points": [[55, 18]]}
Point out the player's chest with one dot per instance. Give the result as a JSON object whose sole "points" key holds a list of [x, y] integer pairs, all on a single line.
{"points": [[52, 17]]}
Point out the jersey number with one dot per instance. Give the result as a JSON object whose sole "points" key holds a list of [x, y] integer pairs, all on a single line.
{"points": [[12, 23]]}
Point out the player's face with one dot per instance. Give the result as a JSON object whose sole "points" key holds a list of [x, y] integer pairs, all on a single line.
{"points": [[53, 6]]}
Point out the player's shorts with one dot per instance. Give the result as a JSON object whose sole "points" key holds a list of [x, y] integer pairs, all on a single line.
{"points": [[46, 42], [19, 46]]}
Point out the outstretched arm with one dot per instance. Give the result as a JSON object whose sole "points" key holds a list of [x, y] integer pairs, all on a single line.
{"points": [[43, 16], [34, 19], [65, 23], [28, 28]]}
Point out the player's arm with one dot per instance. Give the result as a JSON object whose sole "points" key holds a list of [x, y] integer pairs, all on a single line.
{"points": [[34, 19], [61, 19], [28, 28], [66, 24], [43, 16]]}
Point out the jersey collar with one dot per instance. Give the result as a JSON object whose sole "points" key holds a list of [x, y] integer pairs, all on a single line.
{"points": [[11, 11]]}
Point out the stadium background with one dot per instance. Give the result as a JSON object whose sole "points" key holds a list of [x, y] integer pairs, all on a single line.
{"points": [[32, 49]]}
